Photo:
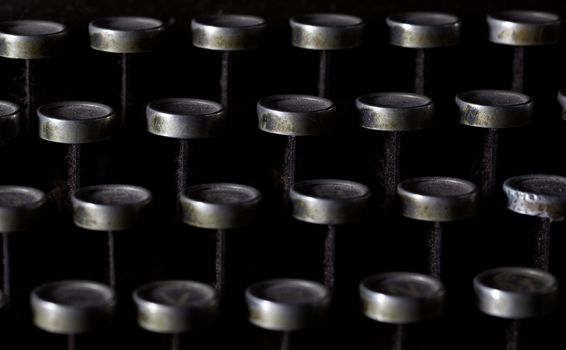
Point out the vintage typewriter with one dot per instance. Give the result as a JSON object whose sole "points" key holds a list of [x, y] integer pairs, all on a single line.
{"points": [[281, 175]]}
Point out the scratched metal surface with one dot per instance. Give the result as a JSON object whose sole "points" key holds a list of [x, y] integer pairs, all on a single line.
{"points": [[278, 247]]}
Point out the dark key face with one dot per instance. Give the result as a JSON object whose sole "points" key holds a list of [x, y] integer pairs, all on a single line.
{"points": [[292, 292], [178, 294], [518, 281], [404, 285], [76, 294]]}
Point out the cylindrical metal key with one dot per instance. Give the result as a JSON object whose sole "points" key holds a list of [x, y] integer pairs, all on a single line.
{"points": [[9, 120], [538, 195], [227, 33], [516, 293], [423, 31], [329, 202], [295, 116], [21, 209], [221, 207], [76, 123], [394, 112], [493, 110], [326, 32], [437, 200], [72, 307], [185, 119], [125, 36], [110, 208], [31, 40], [175, 306], [522, 28], [287, 305]]}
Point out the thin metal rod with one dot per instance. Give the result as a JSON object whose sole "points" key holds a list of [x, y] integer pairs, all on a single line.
{"points": [[420, 71], [542, 247], [289, 167], [518, 80], [7, 285], [29, 99], [392, 171], [286, 341], [400, 337], [435, 249], [111, 260], [71, 342], [225, 79], [124, 89], [512, 335], [324, 73], [220, 262], [330, 257], [176, 343], [182, 165], [489, 164], [74, 166]]}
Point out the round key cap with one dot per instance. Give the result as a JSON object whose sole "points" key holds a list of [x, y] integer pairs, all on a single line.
{"points": [[110, 207], [185, 118], [438, 199], [494, 108], [32, 39], [287, 304], [71, 307], [220, 205], [175, 306], [327, 31], [329, 202], [20, 208], [537, 195], [227, 32], [523, 28], [516, 292], [9, 120], [402, 297], [76, 122], [125, 34], [296, 115], [423, 30], [395, 111]]}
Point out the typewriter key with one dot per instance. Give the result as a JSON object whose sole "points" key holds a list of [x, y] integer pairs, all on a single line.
{"points": [[516, 292], [227, 32], [326, 31], [175, 306], [32, 39], [20, 209], [329, 202], [72, 307], [395, 111], [494, 109], [76, 122], [423, 30], [296, 115], [523, 28], [9, 120], [220, 206], [287, 304], [402, 297], [110, 207], [185, 118], [562, 102], [539, 195], [437, 200], [125, 34]]}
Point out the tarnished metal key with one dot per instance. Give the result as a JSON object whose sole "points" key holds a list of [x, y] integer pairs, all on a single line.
{"points": [[329, 202], [437, 200]]}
